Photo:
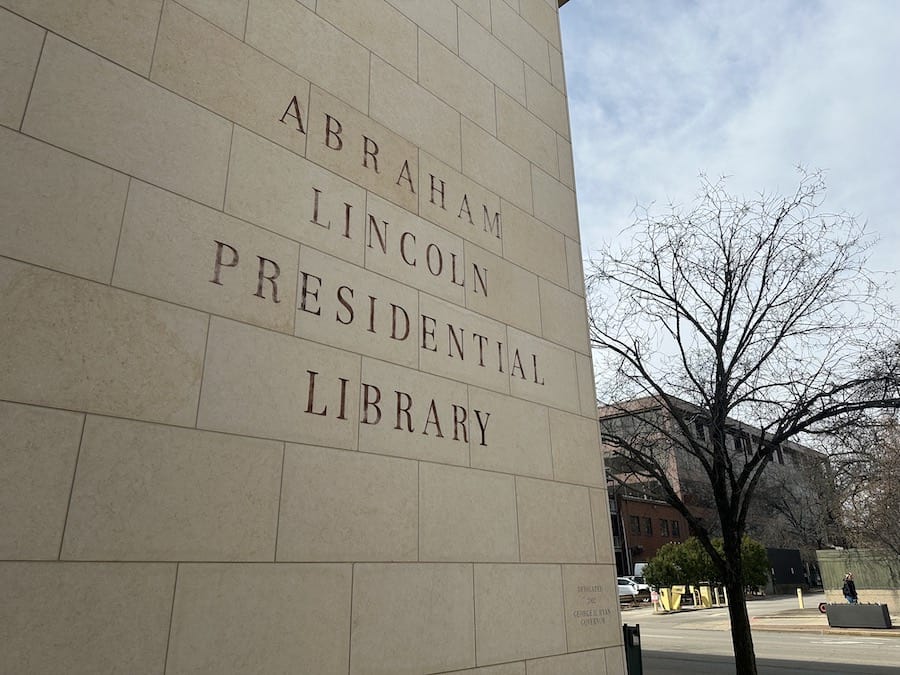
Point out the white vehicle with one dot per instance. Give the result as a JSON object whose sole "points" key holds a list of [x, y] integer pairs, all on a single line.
{"points": [[639, 591], [626, 592]]}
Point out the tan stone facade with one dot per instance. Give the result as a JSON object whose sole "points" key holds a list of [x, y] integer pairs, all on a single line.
{"points": [[294, 370]]}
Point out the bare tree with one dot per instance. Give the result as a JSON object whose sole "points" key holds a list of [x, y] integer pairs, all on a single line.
{"points": [[759, 310]]}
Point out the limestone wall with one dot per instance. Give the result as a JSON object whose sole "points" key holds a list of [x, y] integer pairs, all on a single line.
{"points": [[294, 372]]}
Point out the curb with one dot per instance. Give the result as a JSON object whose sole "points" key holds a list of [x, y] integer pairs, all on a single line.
{"points": [[819, 630]]}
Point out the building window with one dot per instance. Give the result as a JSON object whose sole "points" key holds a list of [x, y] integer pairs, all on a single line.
{"points": [[700, 430], [676, 529], [663, 527], [635, 523], [648, 527]]}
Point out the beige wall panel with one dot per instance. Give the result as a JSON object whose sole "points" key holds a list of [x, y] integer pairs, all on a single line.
{"points": [[121, 30], [520, 442], [436, 17], [274, 188], [335, 307], [455, 82], [518, 612], [58, 210], [37, 462], [586, 387], [437, 435], [576, 449], [409, 109], [310, 46], [230, 15], [615, 660], [206, 65], [534, 245], [564, 317], [494, 165], [340, 505], [491, 57], [480, 10], [84, 619], [86, 104], [177, 250], [258, 383], [556, 375], [339, 143], [461, 345], [417, 253], [20, 49], [517, 668], [592, 607], [377, 26], [557, 73], [576, 266], [542, 15], [235, 619], [554, 522], [547, 102], [566, 166], [512, 292], [466, 515], [75, 344], [554, 203], [602, 531], [526, 134], [459, 204], [581, 663], [520, 36], [411, 619], [149, 492]]}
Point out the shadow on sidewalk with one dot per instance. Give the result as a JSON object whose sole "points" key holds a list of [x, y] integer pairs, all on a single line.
{"points": [[678, 663]]}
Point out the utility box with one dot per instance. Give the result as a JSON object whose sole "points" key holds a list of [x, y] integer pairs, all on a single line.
{"points": [[633, 662], [857, 616]]}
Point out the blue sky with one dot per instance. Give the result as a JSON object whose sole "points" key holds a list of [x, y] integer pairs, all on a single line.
{"points": [[660, 91]]}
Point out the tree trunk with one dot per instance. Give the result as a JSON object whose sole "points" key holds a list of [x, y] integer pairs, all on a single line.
{"points": [[741, 638]]}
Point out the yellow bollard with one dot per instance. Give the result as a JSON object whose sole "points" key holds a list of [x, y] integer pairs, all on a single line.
{"points": [[800, 597], [705, 596]]}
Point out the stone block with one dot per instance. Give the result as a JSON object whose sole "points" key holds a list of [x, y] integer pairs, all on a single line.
{"points": [[345, 306], [20, 49], [263, 384], [580, 663], [521, 444], [36, 469], [231, 619], [592, 607], [554, 203], [557, 73], [378, 27], [542, 16], [459, 204], [496, 166], [566, 165], [83, 103], [534, 245], [480, 10], [490, 57], [515, 668], [406, 413], [414, 112], [586, 386], [526, 134], [435, 18], [602, 531], [543, 373], [520, 36], [576, 266], [554, 522], [361, 150], [230, 15], [518, 612], [74, 344], [564, 317], [275, 189], [577, 457], [313, 48], [411, 619], [121, 30], [177, 250], [85, 618], [58, 210], [218, 71], [512, 292], [338, 505], [150, 492], [466, 515], [547, 102]]}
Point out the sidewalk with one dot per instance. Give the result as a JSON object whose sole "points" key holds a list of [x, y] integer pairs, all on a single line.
{"points": [[811, 620]]}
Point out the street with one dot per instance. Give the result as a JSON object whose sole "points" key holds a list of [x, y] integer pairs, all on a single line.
{"points": [[700, 642]]}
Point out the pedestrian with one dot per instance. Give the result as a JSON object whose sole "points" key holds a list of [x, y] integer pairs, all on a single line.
{"points": [[849, 589]]}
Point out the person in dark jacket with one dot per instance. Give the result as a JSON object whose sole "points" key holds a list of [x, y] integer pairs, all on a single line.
{"points": [[849, 589]]}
